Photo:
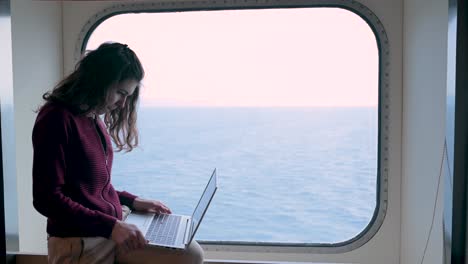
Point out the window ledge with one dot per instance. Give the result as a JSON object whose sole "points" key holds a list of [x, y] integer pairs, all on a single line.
{"points": [[223, 261], [33, 258]]}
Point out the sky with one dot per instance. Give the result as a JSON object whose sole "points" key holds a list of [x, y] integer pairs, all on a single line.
{"points": [[302, 57]]}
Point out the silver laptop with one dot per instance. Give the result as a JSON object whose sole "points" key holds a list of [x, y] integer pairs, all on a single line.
{"points": [[170, 230]]}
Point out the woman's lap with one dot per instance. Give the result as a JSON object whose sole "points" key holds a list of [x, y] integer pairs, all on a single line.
{"points": [[193, 255], [90, 250]]}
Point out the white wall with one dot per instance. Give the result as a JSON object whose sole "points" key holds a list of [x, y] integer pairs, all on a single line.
{"points": [[37, 66], [424, 88]]}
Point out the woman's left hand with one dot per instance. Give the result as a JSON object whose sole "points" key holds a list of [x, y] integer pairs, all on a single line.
{"points": [[151, 206]]}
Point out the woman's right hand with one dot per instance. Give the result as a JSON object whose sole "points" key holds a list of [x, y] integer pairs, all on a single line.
{"points": [[127, 237]]}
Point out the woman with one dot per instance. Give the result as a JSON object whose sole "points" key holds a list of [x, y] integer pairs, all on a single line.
{"points": [[73, 161]]}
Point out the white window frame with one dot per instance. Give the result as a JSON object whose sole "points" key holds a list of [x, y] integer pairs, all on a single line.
{"points": [[384, 113]]}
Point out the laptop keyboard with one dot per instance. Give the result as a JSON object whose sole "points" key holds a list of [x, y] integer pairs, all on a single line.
{"points": [[163, 229]]}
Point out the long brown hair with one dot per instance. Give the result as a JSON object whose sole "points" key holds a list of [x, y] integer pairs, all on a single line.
{"points": [[87, 87]]}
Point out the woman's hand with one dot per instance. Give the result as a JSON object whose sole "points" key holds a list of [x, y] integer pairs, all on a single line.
{"points": [[151, 206], [127, 237]]}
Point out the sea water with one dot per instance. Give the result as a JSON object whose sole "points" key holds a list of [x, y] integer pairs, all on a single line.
{"points": [[305, 175]]}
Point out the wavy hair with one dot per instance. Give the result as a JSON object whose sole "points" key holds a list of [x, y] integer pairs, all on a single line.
{"points": [[87, 88]]}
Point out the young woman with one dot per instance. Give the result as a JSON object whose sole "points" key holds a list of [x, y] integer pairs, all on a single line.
{"points": [[73, 162]]}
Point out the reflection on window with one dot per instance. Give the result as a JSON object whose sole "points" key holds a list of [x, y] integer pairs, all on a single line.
{"points": [[283, 102]]}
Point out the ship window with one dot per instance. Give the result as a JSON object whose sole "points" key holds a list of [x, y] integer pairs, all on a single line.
{"points": [[283, 102]]}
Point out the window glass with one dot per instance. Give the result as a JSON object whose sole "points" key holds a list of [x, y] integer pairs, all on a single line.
{"points": [[283, 102]]}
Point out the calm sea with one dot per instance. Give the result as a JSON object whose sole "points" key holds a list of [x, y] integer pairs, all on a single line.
{"points": [[285, 174]]}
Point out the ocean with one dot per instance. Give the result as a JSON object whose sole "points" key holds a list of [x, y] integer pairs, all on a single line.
{"points": [[300, 175]]}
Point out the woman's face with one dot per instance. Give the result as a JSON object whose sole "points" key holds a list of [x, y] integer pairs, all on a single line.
{"points": [[118, 95]]}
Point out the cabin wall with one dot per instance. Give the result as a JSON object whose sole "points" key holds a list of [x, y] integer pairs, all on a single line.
{"points": [[424, 90], [37, 58], [416, 133], [37, 66]]}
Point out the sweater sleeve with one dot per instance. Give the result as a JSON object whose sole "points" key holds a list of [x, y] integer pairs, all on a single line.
{"points": [[126, 198], [50, 138]]}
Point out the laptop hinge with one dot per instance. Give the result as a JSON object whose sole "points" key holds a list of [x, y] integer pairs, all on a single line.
{"points": [[187, 231]]}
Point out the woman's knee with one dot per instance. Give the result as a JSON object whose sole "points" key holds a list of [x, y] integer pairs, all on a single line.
{"points": [[196, 252]]}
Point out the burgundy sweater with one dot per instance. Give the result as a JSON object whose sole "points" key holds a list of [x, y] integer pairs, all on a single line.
{"points": [[71, 174]]}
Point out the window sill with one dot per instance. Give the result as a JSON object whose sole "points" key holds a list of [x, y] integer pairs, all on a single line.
{"points": [[30, 258]]}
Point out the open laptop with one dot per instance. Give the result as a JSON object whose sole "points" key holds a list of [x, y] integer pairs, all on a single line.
{"points": [[170, 230]]}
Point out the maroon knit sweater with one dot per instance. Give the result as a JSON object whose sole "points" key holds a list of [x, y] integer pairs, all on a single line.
{"points": [[71, 174]]}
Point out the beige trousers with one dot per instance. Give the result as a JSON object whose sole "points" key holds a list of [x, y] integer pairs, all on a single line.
{"points": [[94, 250]]}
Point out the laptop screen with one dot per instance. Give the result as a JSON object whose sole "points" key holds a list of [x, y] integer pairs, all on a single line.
{"points": [[205, 200]]}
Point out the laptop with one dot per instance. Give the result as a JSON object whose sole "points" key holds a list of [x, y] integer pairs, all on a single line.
{"points": [[170, 230]]}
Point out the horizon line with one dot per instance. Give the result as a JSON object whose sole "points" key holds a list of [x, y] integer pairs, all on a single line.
{"points": [[253, 106]]}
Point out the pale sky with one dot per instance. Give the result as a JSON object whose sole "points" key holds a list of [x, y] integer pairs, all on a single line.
{"points": [[251, 58]]}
